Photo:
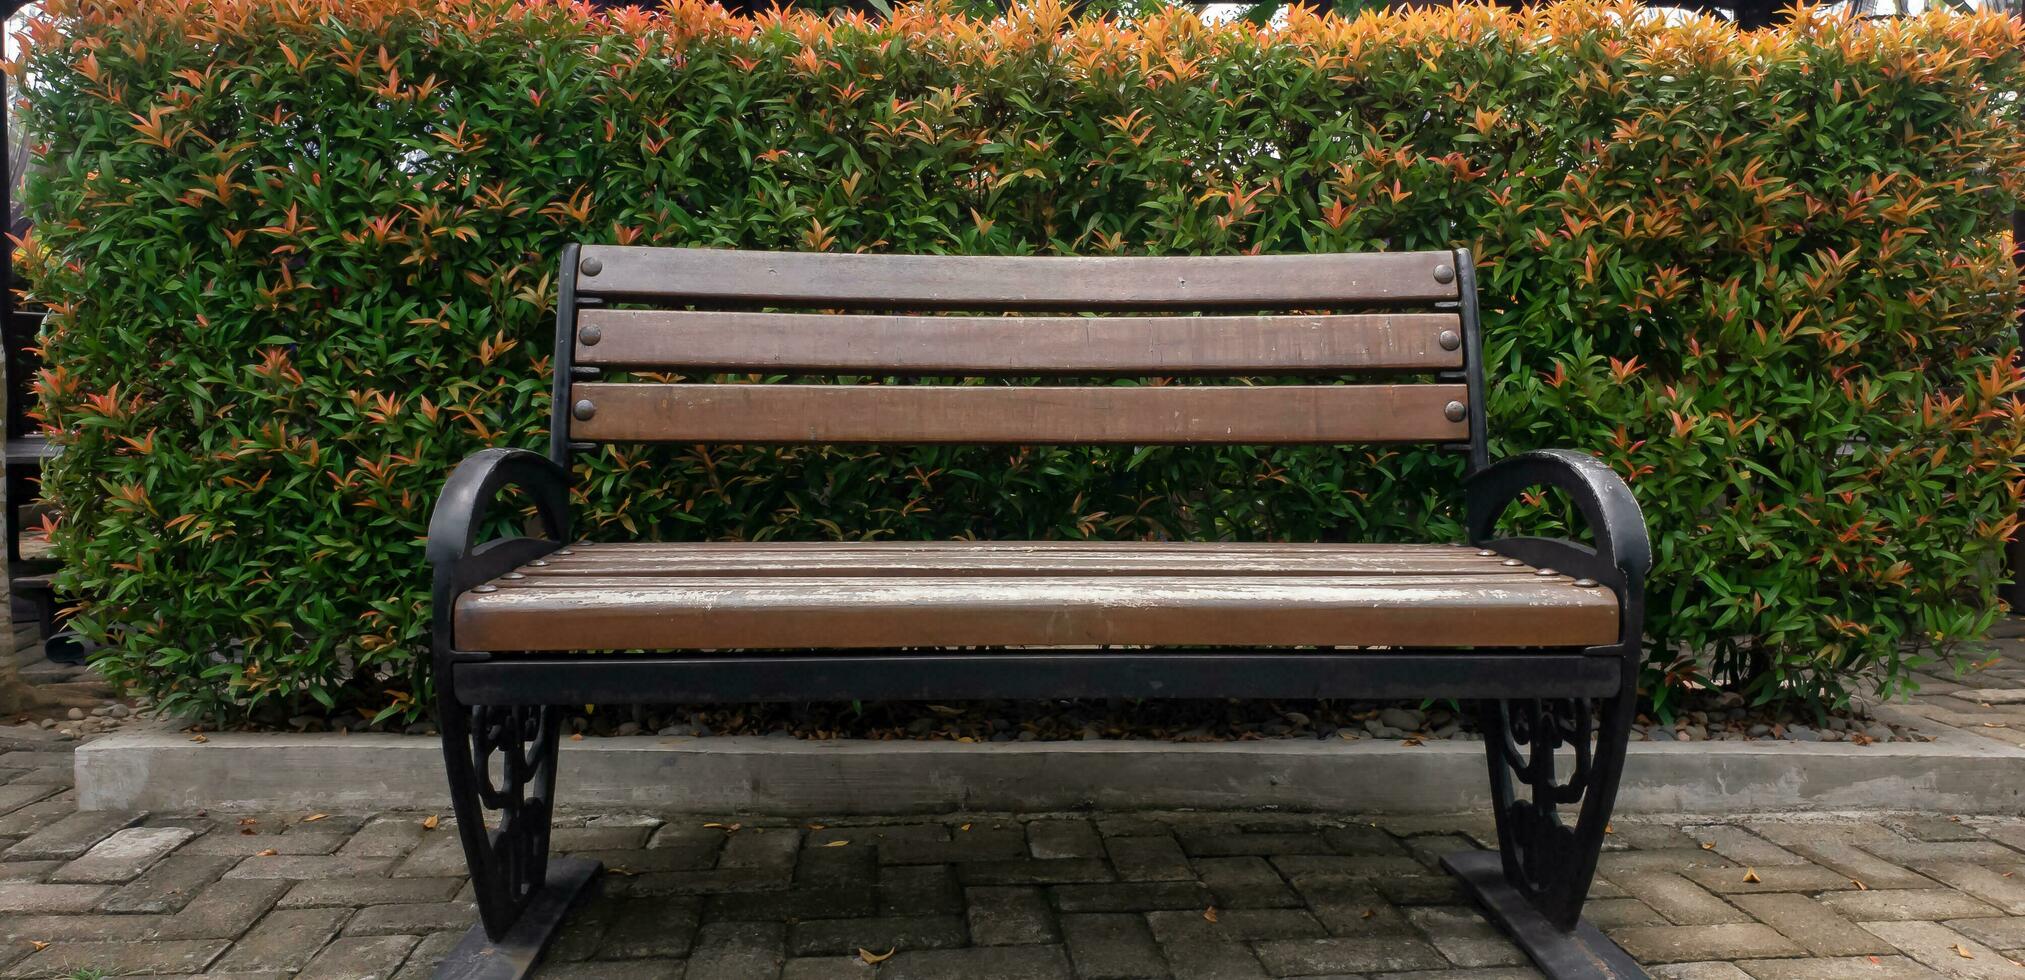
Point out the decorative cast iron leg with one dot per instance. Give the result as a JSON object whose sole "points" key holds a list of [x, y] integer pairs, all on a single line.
{"points": [[1534, 886], [501, 762]]}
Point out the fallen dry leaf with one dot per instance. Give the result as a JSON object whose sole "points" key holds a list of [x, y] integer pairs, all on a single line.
{"points": [[1708, 845], [1860, 886], [836, 843], [431, 822], [578, 737], [38, 944], [1609, 828], [965, 828], [270, 852], [1370, 913], [1751, 876], [199, 738], [314, 817], [870, 957], [1963, 952], [816, 826], [1209, 914], [247, 821]]}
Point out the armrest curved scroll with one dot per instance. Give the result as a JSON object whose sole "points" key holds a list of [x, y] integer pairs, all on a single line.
{"points": [[460, 560], [1623, 553]]}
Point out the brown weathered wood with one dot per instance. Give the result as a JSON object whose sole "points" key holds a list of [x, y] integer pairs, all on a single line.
{"points": [[1227, 414], [1001, 558], [843, 343], [861, 612], [953, 282]]}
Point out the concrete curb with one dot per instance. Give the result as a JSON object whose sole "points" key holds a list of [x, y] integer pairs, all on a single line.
{"points": [[160, 769]]}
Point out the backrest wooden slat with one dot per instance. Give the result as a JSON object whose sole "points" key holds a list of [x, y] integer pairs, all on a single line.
{"points": [[1147, 415], [953, 282], [1028, 345]]}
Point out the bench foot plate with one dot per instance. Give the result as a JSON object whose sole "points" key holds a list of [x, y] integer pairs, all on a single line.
{"points": [[1584, 954], [477, 957]]}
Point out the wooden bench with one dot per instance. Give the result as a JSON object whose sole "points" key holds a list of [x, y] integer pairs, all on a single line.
{"points": [[1542, 634]]}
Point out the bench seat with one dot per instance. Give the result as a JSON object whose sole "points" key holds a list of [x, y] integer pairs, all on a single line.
{"points": [[708, 596]]}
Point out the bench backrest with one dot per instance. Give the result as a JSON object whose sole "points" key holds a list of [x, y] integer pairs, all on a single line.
{"points": [[698, 312]]}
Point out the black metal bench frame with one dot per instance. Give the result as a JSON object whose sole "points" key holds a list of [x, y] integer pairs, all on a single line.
{"points": [[502, 714]]}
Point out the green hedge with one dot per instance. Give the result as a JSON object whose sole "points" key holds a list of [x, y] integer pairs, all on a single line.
{"points": [[301, 256]]}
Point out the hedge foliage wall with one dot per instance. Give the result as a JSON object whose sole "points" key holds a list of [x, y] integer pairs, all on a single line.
{"points": [[300, 256]]}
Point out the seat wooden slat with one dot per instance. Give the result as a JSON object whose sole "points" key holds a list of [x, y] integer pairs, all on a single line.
{"points": [[844, 613], [806, 342], [1229, 414], [950, 282], [956, 558]]}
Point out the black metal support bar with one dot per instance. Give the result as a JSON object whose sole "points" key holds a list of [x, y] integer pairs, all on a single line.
{"points": [[844, 675], [514, 955], [1581, 953]]}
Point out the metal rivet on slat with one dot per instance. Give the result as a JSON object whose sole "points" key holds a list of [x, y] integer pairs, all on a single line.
{"points": [[537, 563], [584, 410], [1546, 571], [592, 267], [564, 551], [513, 576], [1486, 553], [486, 588], [1514, 562], [1449, 340], [1453, 411], [1444, 273], [589, 336], [1585, 583]]}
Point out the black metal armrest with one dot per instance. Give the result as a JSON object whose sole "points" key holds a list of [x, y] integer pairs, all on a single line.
{"points": [[460, 560], [1623, 553]]}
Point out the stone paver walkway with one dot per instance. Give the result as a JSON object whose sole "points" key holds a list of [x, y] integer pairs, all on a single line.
{"points": [[1183, 895]]}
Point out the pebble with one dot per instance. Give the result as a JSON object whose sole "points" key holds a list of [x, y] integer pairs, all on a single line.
{"points": [[1402, 719], [1879, 732], [76, 714], [1802, 733], [629, 728]]}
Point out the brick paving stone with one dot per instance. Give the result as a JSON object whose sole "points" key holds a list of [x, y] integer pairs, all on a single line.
{"points": [[770, 849], [1699, 971], [74, 834], [739, 951], [1839, 968], [389, 837], [828, 937], [1814, 926], [369, 891], [602, 838], [1914, 853], [78, 928], [14, 796], [284, 940], [1009, 915], [1259, 845], [827, 968], [1741, 846], [1361, 840], [1997, 932], [231, 843], [1336, 954], [792, 903], [1606, 913], [1772, 878], [412, 918], [918, 889], [979, 963], [1681, 901], [584, 928], [1132, 896], [35, 816], [1063, 839], [715, 881], [1420, 889], [1861, 865], [360, 958], [439, 854], [27, 870], [820, 865], [650, 927], [1906, 904], [123, 856], [1927, 827], [1366, 915], [1486, 973], [170, 884], [1944, 950], [303, 867], [1233, 925], [1244, 882], [980, 843], [1461, 935], [644, 860], [1213, 961], [224, 910], [1112, 946], [1727, 941], [179, 957], [1034, 871], [2001, 886], [1148, 858], [422, 960], [27, 896], [1133, 825], [661, 969]]}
